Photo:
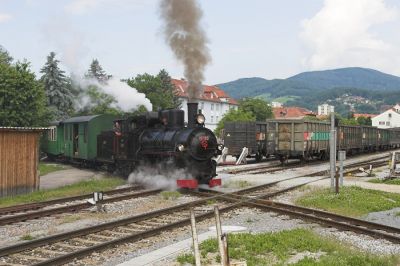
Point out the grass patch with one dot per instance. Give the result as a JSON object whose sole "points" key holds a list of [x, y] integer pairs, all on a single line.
{"points": [[211, 202], [82, 187], [237, 184], [351, 201], [70, 219], [27, 237], [395, 181], [166, 195], [280, 248], [45, 168]]}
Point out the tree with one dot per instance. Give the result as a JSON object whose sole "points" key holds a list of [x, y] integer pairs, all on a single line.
{"points": [[60, 98], [96, 72], [366, 121], [98, 102], [158, 89], [168, 89], [22, 97], [5, 57], [258, 107], [234, 115]]}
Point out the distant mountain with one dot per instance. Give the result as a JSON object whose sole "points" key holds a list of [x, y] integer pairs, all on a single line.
{"points": [[308, 82], [352, 89]]}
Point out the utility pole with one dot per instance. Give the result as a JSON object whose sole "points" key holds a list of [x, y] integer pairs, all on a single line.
{"points": [[332, 149]]}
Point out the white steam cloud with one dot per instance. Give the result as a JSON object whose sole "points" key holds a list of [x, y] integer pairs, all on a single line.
{"points": [[155, 177], [341, 35], [71, 44], [128, 98]]}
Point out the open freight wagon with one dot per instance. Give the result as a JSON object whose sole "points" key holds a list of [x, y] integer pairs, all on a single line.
{"points": [[258, 137]]}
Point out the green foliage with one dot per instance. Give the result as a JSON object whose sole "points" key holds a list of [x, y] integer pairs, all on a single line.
{"points": [[364, 121], [27, 237], [395, 181], [5, 57], [60, 97], [158, 89], [82, 187], [22, 97], [234, 115], [350, 201], [96, 72], [173, 195], [258, 107], [45, 168], [98, 102], [276, 248]]}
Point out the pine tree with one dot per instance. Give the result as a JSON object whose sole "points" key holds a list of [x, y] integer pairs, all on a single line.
{"points": [[96, 72], [57, 87], [5, 57]]}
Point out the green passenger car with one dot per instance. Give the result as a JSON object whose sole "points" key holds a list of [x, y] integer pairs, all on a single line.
{"points": [[53, 140], [80, 135]]}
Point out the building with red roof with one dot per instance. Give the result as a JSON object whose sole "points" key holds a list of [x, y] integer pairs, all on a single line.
{"points": [[291, 112], [214, 103]]}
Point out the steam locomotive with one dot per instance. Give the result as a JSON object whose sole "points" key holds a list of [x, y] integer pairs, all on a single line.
{"points": [[154, 139]]}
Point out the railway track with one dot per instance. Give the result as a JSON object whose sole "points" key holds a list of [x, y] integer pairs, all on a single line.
{"points": [[62, 248], [21, 213]]}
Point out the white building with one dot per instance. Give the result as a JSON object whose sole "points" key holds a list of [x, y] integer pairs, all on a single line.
{"points": [[214, 103], [325, 109], [388, 119], [276, 104]]}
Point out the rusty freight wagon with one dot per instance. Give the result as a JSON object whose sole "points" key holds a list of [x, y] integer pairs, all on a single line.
{"points": [[258, 137], [19, 159], [300, 139]]}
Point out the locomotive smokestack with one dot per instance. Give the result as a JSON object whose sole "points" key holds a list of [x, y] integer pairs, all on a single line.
{"points": [[192, 112]]}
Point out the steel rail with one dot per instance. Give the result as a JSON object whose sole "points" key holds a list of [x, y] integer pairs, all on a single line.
{"points": [[42, 204], [70, 208]]}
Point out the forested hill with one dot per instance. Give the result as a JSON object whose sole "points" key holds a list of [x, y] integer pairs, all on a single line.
{"points": [[311, 82]]}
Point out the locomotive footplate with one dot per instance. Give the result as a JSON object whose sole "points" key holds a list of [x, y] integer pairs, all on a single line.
{"points": [[193, 183]]}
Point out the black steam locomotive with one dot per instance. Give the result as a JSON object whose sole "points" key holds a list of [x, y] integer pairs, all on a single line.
{"points": [[161, 139]]}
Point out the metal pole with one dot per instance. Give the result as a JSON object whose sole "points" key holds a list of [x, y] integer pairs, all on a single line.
{"points": [[341, 172], [219, 237], [195, 238], [332, 149]]}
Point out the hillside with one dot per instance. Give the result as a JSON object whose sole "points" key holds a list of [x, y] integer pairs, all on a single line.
{"points": [[365, 90]]}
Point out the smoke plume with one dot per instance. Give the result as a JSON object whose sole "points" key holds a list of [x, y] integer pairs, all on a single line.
{"points": [[187, 39]]}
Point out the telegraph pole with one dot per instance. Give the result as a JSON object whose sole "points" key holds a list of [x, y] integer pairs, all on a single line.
{"points": [[332, 149]]}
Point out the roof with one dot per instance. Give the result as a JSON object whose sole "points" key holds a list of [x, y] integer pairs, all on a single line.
{"points": [[291, 112], [210, 93], [23, 128], [79, 119], [364, 115]]}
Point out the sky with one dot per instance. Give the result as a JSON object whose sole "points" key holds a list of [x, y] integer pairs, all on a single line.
{"points": [[252, 38]]}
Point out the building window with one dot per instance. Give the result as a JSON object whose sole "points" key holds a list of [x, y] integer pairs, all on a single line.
{"points": [[212, 119], [212, 106], [52, 134], [216, 119], [217, 107], [390, 115], [388, 123], [381, 123]]}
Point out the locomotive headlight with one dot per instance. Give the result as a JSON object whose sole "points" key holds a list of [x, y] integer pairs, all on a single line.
{"points": [[220, 147], [200, 119], [181, 147]]}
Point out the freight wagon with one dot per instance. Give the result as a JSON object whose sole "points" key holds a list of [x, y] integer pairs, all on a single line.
{"points": [[258, 137]]}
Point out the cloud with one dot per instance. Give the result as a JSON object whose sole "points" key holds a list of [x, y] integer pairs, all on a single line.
{"points": [[5, 17], [340, 35], [84, 6]]}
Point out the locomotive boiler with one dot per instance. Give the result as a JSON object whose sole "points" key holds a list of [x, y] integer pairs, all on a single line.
{"points": [[161, 139]]}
